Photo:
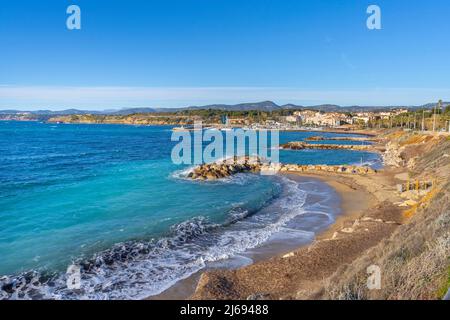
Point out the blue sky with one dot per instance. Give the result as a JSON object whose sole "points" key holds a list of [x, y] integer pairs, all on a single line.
{"points": [[170, 53]]}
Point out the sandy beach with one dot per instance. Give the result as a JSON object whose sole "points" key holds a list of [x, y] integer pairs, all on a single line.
{"points": [[400, 232], [300, 269]]}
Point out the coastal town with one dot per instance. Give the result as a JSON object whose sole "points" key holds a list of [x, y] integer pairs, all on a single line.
{"points": [[433, 117]]}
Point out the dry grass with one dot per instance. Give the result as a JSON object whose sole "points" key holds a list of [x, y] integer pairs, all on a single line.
{"points": [[418, 277], [417, 138], [405, 274], [415, 260]]}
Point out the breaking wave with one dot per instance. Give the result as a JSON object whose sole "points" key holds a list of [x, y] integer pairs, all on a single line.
{"points": [[138, 269]]}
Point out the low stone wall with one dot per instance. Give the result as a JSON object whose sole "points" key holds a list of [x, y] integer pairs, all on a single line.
{"points": [[299, 145]]}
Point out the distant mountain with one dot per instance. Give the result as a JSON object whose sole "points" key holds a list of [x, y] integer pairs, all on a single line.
{"points": [[326, 107], [261, 106], [64, 112], [432, 105]]}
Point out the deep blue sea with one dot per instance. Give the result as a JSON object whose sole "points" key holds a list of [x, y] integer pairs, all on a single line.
{"points": [[108, 198]]}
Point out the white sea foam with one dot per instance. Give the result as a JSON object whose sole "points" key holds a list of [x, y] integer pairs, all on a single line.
{"points": [[135, 270], [182, 174]]}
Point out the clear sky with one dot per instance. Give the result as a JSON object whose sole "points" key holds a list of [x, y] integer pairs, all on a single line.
{"points": [[170, 53]]}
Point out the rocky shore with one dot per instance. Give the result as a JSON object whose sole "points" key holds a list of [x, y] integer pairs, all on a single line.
{"points": [[217, 170]]}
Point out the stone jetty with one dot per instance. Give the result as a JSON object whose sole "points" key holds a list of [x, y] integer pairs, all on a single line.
{"points": [[300, 145], [220, 170], [320, 138], [226, 168]]}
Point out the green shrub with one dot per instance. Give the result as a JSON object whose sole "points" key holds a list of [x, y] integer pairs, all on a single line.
{"points": [[443, 290]]}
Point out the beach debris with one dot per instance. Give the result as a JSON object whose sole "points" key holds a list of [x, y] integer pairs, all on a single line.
{"points": [[407, 203], [347, 230], [367, 219]]}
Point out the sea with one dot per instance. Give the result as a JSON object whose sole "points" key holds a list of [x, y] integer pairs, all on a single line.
{"points": [[107, 206]]}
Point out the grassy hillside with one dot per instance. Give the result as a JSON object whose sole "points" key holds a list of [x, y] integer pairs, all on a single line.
{"points": [[415, 260]]}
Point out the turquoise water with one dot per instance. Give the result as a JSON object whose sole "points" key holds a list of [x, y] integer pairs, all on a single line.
{"points": [[109, 198]]}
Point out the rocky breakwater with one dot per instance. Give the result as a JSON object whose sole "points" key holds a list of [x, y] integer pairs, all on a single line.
{"points": [[299, 145], [220, 170]]}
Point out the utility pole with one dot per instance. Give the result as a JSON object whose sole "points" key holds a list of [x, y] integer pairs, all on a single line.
{"points": [[415, 120], [423, 120], [434, 118], [439, 111], [436, 108]]}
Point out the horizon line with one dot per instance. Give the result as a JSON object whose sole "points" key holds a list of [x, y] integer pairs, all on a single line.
{"points": [[101, 98]]}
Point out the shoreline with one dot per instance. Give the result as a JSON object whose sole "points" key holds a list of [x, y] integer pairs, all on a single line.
{"points": [[350, 208], [368, 216], [353, 202]]}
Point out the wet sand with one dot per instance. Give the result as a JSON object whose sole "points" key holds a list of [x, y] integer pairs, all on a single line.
{"points": [[360, 237]]}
